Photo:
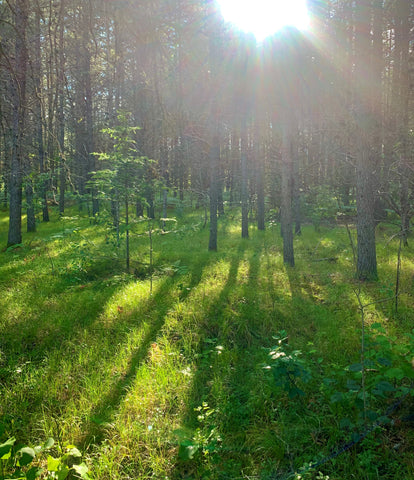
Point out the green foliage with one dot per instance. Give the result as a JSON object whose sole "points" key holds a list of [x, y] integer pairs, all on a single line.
{"points": [[320, 206], [307, 473], [88, 354], [129, 173], [205, 439], [361, 390], [129, 179], [22, 462], [289, 370]]}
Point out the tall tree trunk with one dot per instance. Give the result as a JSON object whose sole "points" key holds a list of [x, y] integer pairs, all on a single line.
{"points": [[402, 28], [18, 85], [259, 153], [60, 74], [214, 153], [89, 137], [29, 192], [365, 165], [244, 180], [214, 162], [296, 190], [286, 203], [37, 64], [127, 232]]}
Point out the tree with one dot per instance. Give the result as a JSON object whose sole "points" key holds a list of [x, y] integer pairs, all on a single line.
{"points": [[18, 95], [366, 150], [122, 182], [214, 148], [286, 204]]}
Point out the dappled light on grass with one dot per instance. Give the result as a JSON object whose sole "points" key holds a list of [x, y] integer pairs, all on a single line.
{"points": [[127, 300], [97, 360]]}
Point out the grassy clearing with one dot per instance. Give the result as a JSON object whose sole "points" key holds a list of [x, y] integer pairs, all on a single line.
{"points": [[172, 385]]}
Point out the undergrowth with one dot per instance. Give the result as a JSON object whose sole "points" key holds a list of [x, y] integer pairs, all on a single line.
{"points": [[204, 365]]}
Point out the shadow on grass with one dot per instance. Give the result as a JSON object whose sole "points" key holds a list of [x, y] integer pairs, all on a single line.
{"points": [[156, 308], [212, 329], [225, 377]]}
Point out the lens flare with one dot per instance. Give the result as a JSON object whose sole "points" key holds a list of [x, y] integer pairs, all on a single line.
{"points": [[265, 17]]}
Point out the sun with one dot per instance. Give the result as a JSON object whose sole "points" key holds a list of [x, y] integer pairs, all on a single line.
{"points": [[265, 17]]}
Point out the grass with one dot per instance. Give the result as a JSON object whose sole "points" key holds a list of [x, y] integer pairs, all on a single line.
{"points": [[171, 384]]}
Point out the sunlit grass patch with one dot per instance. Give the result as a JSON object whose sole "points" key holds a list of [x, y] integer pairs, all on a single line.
{"points": [[92, 355]]}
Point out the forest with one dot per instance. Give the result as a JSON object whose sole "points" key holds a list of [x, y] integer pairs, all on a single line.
{"points": [[206, 262]]}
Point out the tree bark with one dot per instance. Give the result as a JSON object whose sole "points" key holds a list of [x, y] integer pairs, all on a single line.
{"points": [[365, 166], [18, 85], [260, 185], [60, 74], [244, 180], [286, 203], [214, 162], [403, 33]]}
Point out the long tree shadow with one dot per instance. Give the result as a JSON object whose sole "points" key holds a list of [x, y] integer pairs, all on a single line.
{"points": [[157, 308], [224, 362], [212, 330], [43, 339]]}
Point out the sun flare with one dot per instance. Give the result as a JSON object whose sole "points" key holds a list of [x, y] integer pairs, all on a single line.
{"points": [[265, 17]]}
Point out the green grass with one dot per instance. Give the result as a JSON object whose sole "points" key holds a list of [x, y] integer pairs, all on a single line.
{"points": [[89, 356]]}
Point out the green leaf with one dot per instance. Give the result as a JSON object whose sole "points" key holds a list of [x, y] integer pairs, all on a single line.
{"points": [[187, 452], [49, 443], [372, 415], [6, 447], [53, 464], [14, 247], [396, 373], [355, 367], [34, 473], [63, 472], [352, 385], [386, 362], [26, 455], [72, 451], [81, 470], [336, 397], [378, 327], [384, 386]]}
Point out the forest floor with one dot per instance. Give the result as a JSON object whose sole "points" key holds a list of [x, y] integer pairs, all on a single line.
{"points": [[207, 365]]}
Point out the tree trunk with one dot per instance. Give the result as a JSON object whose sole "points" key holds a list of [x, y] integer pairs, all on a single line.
{"points": [[296, 191], [60, 111], [403, 32], [214, 162], [286, 203], [18, 85], [244, 181], [260, 186], [39, 118], [30, 210], [127, 232], [366, 248], [365, 165]]}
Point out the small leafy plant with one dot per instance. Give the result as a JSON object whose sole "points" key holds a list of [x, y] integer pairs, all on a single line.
{"points": [[23, 462], [205, 439], [387, 373], [289, 370]]}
